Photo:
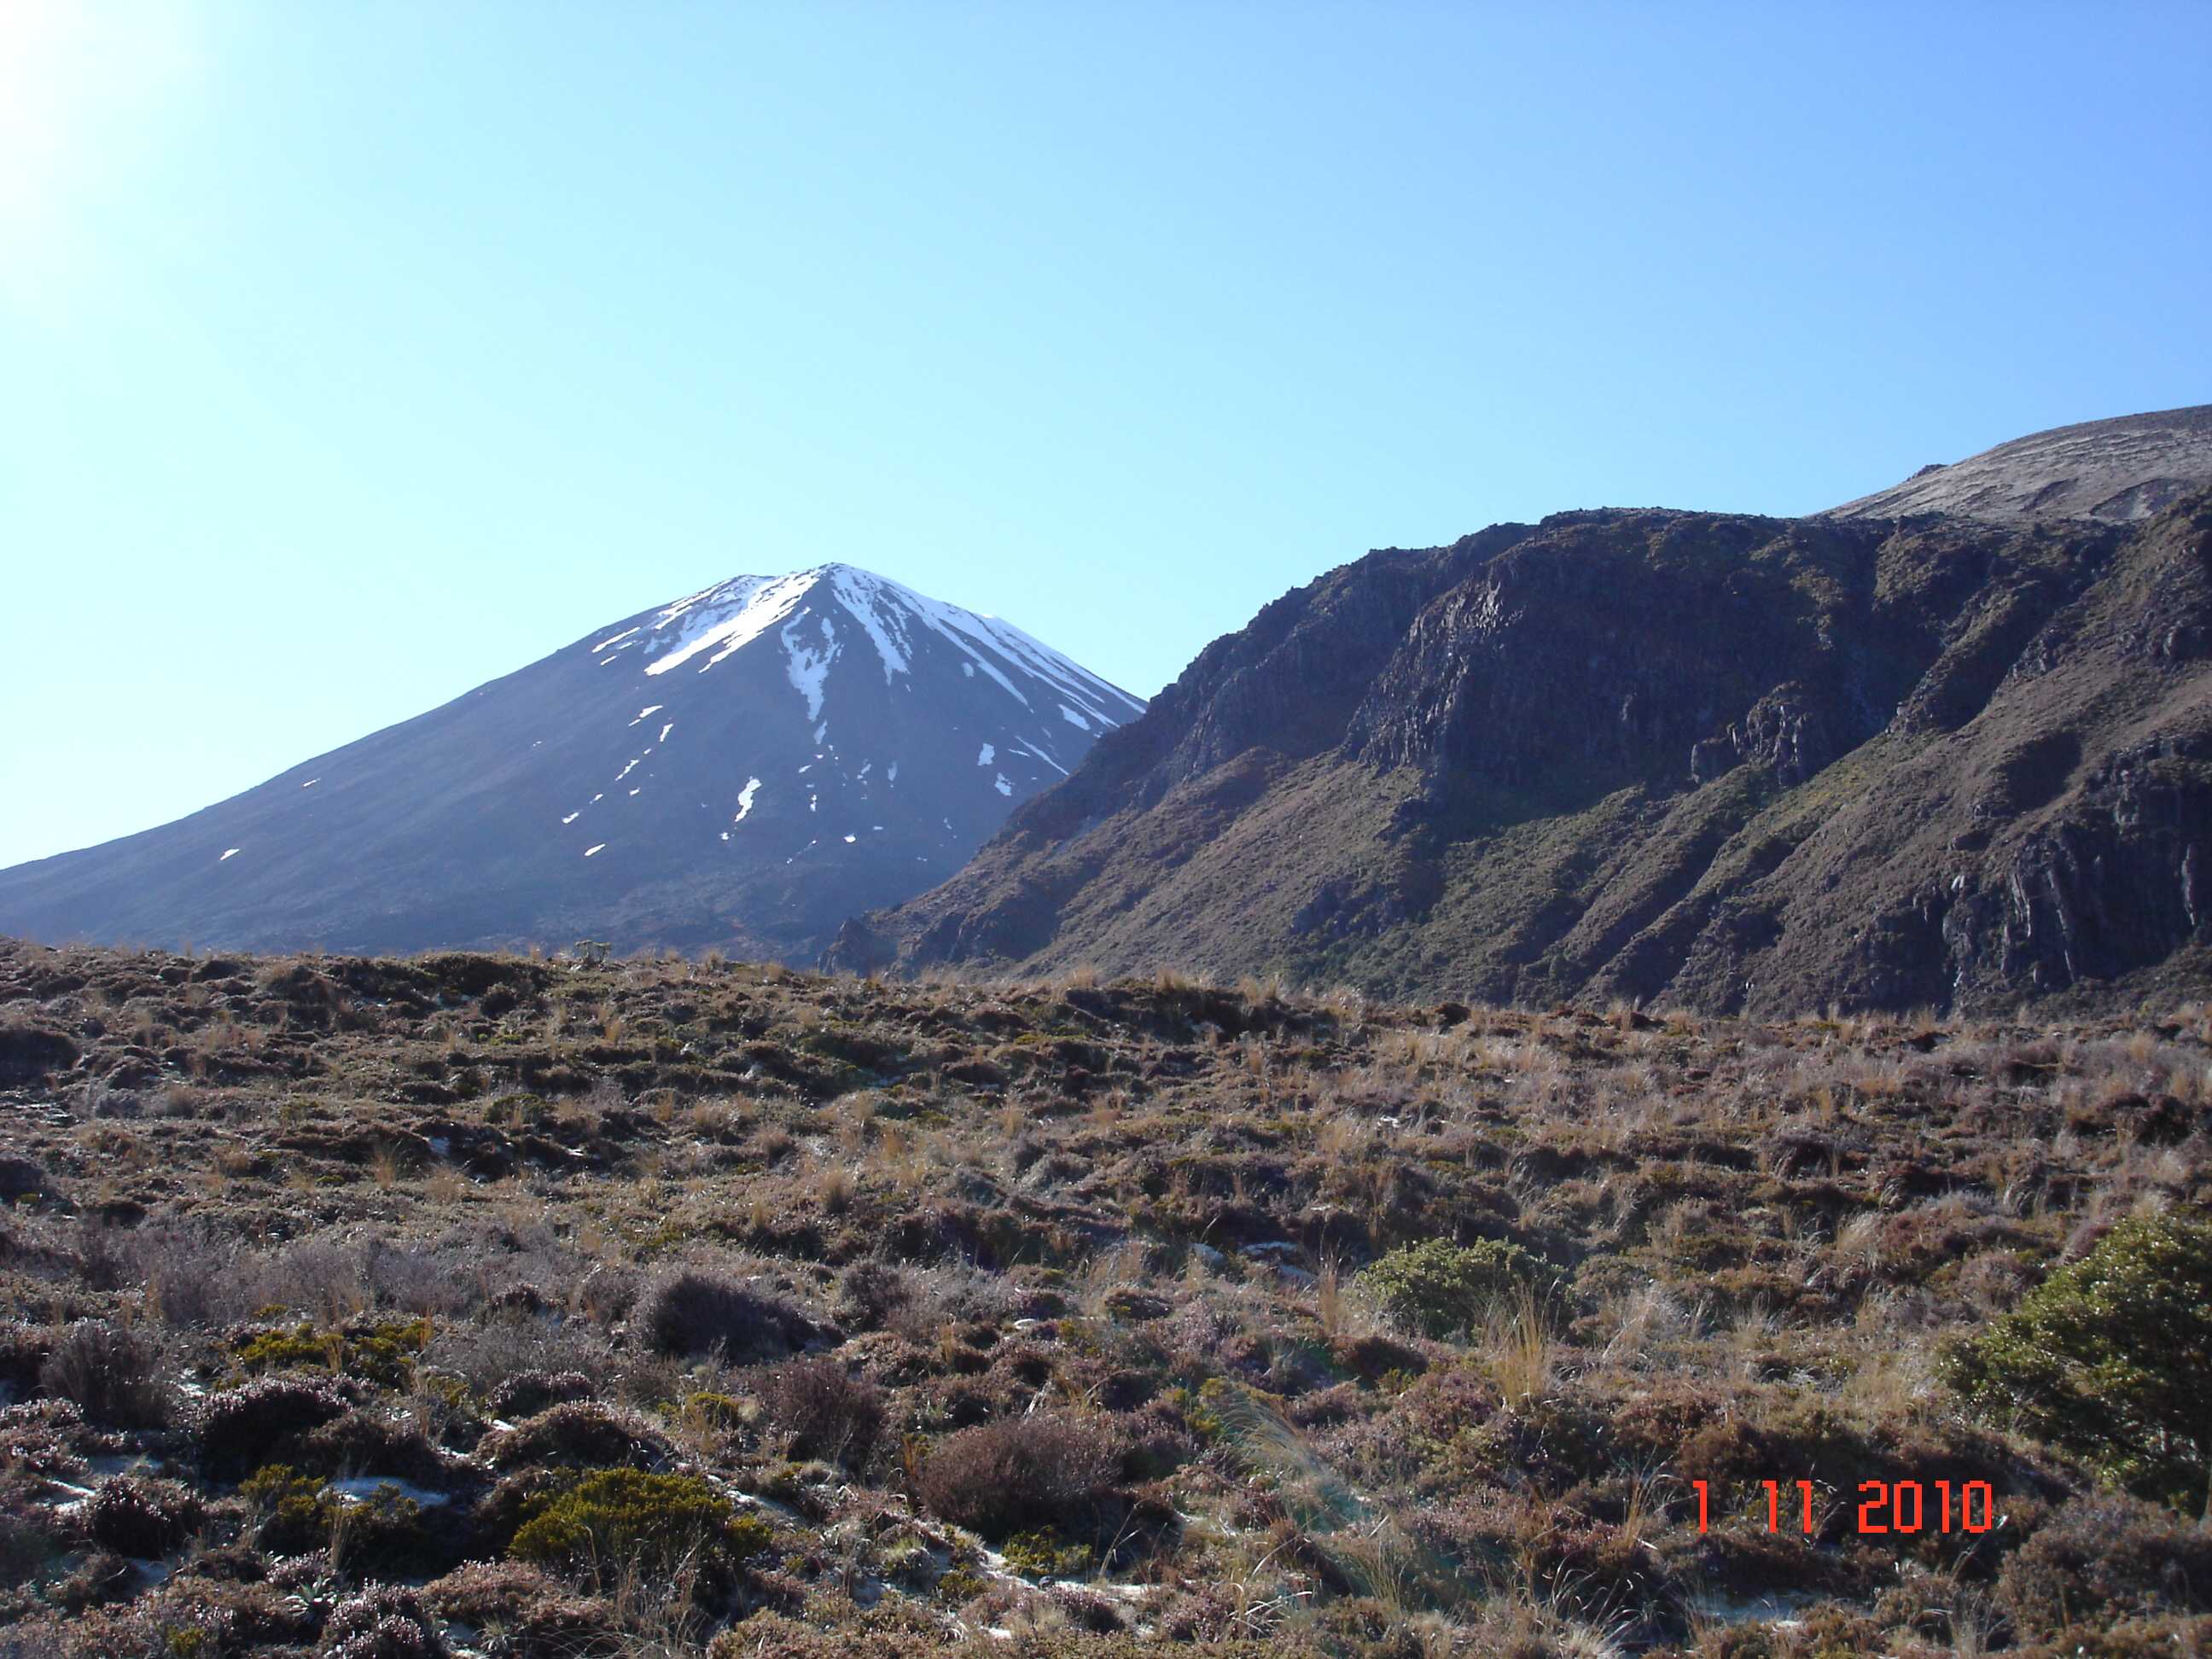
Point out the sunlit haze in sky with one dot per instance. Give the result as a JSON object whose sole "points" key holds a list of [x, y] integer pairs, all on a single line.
{"points": [[353, 354]]}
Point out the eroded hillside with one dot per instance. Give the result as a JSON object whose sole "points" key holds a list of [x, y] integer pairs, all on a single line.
{"points": [[1692, 759]]}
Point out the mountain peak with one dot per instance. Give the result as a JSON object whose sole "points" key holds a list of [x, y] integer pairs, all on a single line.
{"points": [[740, 767], [812, 617]]}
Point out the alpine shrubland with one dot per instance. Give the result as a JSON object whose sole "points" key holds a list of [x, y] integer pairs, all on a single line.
{"points": [[481, 1304]]}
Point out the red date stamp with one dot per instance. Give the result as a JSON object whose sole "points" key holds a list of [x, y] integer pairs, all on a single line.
{"points": [[1885, 1506]]}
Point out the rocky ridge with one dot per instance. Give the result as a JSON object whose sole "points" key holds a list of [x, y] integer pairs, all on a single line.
{"points": [[1701, 758]]}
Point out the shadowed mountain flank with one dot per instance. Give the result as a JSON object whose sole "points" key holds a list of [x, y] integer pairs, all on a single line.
{"points": [[1708, 759]]}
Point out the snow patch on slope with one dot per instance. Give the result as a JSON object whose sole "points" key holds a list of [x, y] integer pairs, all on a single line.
{"points": [[727, 618], [807, 667]]}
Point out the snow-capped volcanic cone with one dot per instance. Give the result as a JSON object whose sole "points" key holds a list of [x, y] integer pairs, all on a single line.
{"points": [[742, 769]]}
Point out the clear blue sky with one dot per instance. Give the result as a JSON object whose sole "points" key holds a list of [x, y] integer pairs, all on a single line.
{"points": [[353, 354]]}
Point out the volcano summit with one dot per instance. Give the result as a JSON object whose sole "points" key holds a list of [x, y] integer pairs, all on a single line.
{"points": [[741, 768]]}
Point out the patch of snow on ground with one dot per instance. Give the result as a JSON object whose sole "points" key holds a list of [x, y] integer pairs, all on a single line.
{"points": [[574, 815], [232, 854], [611, 639], [1000, 784], [745, 799], [633, 791], [849, 840], [597, 799], [986, 756], [807, 667], [665, 730], [626, 770], [1039, 754], [1073, 718], [650, 708], [360, 1489], [311, 783], [891, 776], [969, 668], [588, 851], [812, 803]]}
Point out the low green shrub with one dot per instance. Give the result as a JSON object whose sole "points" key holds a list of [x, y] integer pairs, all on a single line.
{"points": [[2111, 1358], [613, 1521], [1441, 1288], [293, 1513]]}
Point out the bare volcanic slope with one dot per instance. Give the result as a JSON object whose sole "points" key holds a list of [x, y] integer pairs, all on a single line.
{"points": [[2118, 470], [1712, 760], [740, 770]]}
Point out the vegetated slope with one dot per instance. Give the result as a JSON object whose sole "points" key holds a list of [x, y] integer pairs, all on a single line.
{"points": [[739, 769], [1707, 759], [2118, 470], [499, 1307]]}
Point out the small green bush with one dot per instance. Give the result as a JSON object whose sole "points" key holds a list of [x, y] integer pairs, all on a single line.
{"points": [[1046, 1554], [1443, 1288], [2111, 1358], [621, 1519], [294, 1514], [381, 1354]]}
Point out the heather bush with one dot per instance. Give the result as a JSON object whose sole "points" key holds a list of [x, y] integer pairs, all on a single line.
{"points": [[489, 1355], [1443, 1288], [2103, 1559], [1016, 1474], [382, 1622], [528, 1392], [691, 1311], [28, 1545], [580, 1434], [109, 1372], [134, 1515], [828, 1413], [869, 1292], [2111, 1358], [370, 1442], [526, 1613], [242, 1428]]}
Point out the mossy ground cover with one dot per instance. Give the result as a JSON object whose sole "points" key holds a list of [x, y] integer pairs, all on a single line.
{"points": [[660, 1306]]}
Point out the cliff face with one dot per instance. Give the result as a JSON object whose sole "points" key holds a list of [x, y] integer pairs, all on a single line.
{"points": [[1731, 762]]}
